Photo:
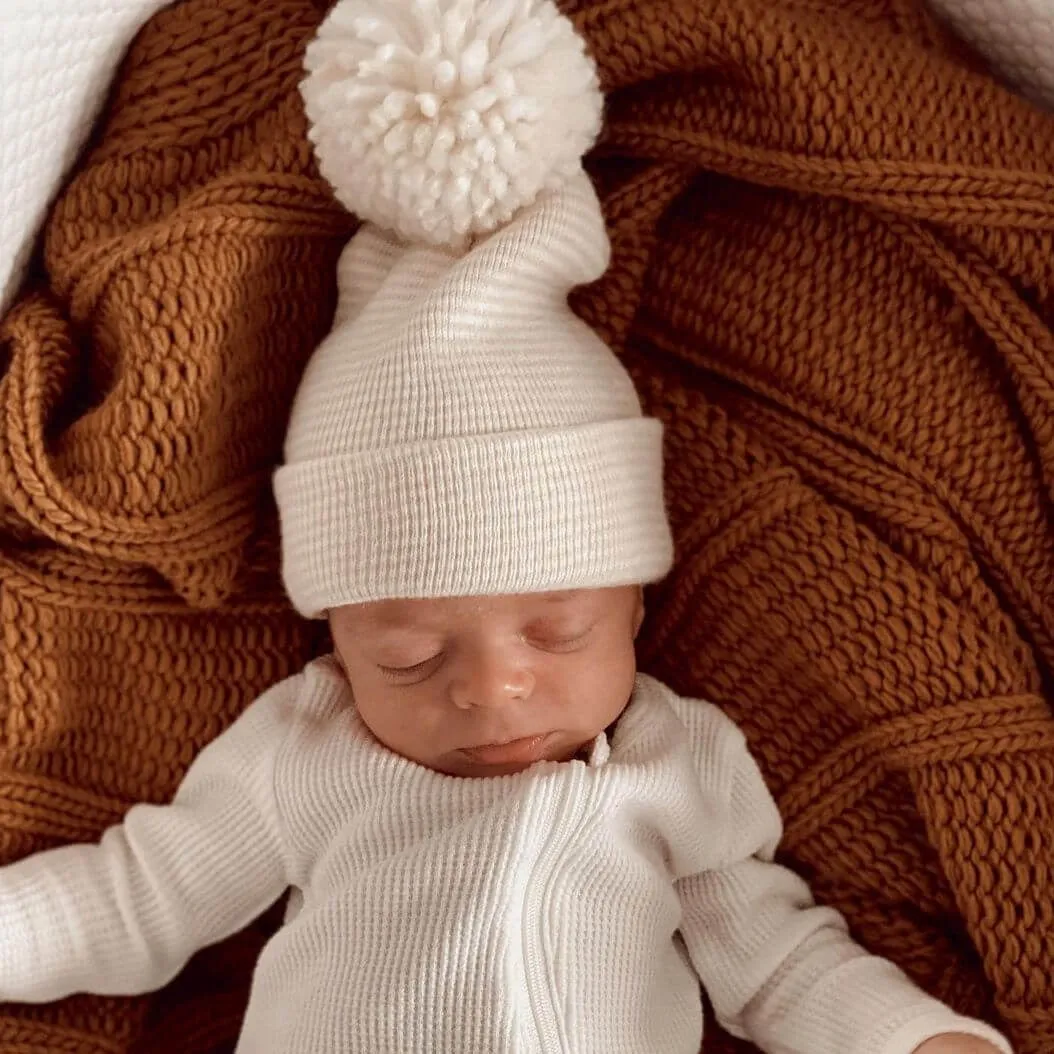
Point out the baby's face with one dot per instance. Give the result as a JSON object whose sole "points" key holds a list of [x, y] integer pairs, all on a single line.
{"points": [[486, 686]]}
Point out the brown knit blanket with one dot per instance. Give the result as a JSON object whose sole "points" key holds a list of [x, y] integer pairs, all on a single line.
{"points": [[833, 271]]}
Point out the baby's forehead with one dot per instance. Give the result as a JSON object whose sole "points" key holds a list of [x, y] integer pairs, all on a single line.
{"points": [[433, 613]]}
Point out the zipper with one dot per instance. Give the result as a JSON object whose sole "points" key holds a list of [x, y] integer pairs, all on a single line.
{"points": [[543, 1000]]}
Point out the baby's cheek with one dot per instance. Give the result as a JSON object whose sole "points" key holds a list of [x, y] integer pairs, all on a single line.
{"points": [[590, 692], [418, 717], [615, 687], [381, 713]]}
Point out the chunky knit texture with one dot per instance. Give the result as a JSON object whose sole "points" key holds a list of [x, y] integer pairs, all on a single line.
{"points": [[524, 914], [832, 278]]}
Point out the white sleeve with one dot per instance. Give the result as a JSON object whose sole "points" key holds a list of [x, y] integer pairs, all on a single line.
{"points": [[123, 916], [779, 970]]}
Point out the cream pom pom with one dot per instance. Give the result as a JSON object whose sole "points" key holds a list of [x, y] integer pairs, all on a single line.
{"points": [[439, 119]]}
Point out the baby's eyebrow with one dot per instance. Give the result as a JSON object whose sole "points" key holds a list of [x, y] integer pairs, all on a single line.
{"points": [[562, 597], [393, 624], [385, 619]]}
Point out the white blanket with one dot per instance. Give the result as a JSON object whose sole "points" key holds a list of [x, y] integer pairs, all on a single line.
{"points": [[58, 57], [1016, 36]]}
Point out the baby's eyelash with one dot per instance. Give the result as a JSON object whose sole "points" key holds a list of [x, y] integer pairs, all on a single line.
{"points": [[407, 671], [563, 642]]}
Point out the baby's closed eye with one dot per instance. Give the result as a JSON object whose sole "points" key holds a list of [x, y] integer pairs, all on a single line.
{"points": [[399, 668], [554, 636]]}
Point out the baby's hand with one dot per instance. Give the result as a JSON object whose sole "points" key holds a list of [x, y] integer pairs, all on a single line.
{"points": [[957, 1043]]}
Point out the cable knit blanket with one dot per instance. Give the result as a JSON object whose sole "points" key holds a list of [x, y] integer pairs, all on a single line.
{"points": [[833, 278]]}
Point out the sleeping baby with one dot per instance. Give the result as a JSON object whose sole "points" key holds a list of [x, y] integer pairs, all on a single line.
{"points": [[496, 835]]}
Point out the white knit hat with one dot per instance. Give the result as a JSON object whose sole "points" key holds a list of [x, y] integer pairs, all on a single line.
{"points": [[461, 432]]}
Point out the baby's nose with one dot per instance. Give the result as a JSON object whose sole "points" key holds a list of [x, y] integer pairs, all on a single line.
{"points": [[490, 681]]}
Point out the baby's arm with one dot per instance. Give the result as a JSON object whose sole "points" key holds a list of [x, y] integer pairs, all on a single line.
{"points": [[123, 916], [779, 970]]}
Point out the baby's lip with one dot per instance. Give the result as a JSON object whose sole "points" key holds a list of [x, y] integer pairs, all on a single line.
{"points": [[523, 751]]}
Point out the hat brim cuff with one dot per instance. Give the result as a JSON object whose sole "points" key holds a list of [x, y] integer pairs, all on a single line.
{"points": [[520, 512]]}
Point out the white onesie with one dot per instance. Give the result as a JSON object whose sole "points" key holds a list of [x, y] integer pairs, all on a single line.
{"points": [[573, 907]]}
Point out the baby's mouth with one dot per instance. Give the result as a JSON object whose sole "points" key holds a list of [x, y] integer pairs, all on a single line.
{"points": [[524, 751]]}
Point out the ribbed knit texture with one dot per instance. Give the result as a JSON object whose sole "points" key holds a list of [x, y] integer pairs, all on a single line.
{"points": [[523, 914], [461, 432], [831, 277]]}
